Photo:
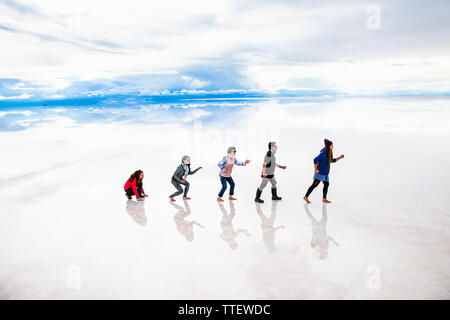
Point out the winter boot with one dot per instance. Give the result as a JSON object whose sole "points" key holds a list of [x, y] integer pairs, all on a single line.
{"points": [[274, 194], [258, 196]]}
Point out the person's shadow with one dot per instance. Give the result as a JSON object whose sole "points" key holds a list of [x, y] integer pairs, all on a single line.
{"points": [[186, 228], [136, 211], [268, 230], [320, 239], [228, 234]]}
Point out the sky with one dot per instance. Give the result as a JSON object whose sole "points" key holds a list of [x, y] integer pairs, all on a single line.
{"points": [[71, 49]]}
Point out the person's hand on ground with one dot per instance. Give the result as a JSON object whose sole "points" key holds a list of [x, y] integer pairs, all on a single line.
{"points": [[140, 199]]}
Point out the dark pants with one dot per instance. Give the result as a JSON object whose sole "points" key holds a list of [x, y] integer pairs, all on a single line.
{"points": [[224, 181], [315, 184], [179, 191], [130, 192]]}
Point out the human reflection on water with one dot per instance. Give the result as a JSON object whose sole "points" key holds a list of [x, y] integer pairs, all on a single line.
{"points": [[228, 233], [186, 228], [268, 230], [320, 239], [136, 210]]}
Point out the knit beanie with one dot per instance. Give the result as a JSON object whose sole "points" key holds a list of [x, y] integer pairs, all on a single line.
{"points": [[328, 143]]}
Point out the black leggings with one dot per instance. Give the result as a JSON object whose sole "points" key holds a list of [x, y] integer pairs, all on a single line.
{"points": [[315, 184], [130, 192]]}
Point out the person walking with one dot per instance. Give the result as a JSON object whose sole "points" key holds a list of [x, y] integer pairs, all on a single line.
{"points": [[226, 167], [321, 170], [268, 173]]}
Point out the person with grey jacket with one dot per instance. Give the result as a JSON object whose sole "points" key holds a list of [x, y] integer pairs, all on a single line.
{"points": [[179, 178]]}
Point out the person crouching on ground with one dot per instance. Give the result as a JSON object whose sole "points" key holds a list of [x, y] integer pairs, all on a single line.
{"points": [[133, 186], [179, 178]]}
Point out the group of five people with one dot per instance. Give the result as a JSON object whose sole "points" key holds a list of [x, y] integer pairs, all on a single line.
{"points": [[322, 162]]}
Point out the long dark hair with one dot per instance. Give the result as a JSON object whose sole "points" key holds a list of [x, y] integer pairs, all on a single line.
{"points": [[135, 175], [329, 154]]}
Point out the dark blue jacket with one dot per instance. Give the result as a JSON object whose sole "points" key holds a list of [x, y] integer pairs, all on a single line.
{"points": [[322, 162]]}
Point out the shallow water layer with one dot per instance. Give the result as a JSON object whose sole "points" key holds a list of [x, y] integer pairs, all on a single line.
{"points": [[68, 232]]}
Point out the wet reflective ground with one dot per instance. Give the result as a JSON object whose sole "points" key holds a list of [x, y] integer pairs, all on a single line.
{"points": [[67, 230]]}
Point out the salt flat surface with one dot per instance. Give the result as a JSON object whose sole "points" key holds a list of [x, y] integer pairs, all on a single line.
{"points": [[68, 232]]}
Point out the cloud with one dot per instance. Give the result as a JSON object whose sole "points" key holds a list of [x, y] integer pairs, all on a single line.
{"points": [[95, 45], [95, 48], [22, 96], [24, 113], [20, 8], [211, 75]]}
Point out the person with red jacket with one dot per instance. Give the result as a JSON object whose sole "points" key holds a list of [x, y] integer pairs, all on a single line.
{"points": [[133, 186]]}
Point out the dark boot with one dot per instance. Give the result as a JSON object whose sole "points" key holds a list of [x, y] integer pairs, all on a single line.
{"points": [[258, 196], [274, 194]]}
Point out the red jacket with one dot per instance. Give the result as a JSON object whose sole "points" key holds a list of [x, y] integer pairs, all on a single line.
{"points": [[132, 185]]}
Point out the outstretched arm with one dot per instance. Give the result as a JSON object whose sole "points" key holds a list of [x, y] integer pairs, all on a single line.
{"points": [[236, 162], [192, 172]]}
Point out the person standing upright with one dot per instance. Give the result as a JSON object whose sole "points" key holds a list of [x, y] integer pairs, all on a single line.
{"points": [[321, 170]]}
